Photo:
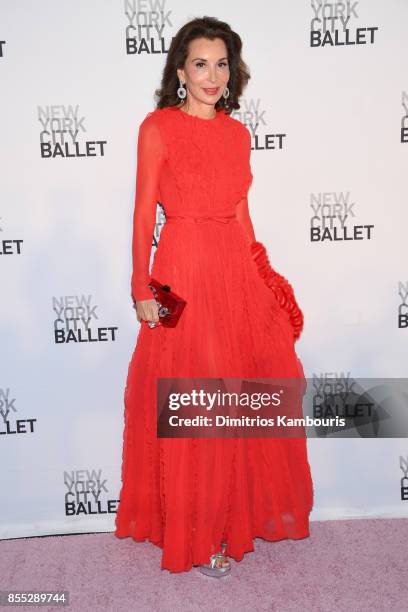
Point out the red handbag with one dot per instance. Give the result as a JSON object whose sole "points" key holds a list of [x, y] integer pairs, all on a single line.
{"points": [[170, 304]]}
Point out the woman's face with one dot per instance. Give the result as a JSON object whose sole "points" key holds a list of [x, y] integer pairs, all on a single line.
{"points": [[206, 71]]}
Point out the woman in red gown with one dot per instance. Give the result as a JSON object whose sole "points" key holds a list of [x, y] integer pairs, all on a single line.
{"points": [[195, 497]]}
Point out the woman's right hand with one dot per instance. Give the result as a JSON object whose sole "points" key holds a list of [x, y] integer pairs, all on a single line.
{"points": [[147, 310]]}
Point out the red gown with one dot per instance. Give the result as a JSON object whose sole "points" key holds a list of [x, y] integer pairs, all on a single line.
{"points": [[189, 495]]}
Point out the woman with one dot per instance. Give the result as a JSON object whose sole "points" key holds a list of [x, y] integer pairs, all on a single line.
{"points": [[202, 500]]}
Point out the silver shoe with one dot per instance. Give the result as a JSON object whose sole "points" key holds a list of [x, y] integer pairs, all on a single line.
{"points": [[219, 565]]}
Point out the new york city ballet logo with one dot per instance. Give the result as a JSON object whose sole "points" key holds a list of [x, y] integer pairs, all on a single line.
{"points": [[147, 29], [87, 493], [333, 219], [333, 25], [337, 395], [64, 134], [9, 423], [404, 118], [404, 477], [252, 115], [9, 246], [2, 44], [403, 306], [334, 396], [76, 321]]}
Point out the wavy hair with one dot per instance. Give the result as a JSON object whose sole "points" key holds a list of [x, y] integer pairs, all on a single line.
{"points": [[210, 28]]}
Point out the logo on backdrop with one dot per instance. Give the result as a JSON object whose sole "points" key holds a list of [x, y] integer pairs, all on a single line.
{"points": [[2, 43], [77, 321], [404, 477], [337, 395], [147, 30], [64, 134], [333, 219], [333, 24], [253, 117], [403, 307], [9, 246], [87, 493], [9, 424], [369, 408], [404, 120]]}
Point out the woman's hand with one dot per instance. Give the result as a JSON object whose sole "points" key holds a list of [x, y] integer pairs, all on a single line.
{"points": [[147, 310]]}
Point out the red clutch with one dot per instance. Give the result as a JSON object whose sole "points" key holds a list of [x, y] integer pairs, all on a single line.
{"points": [[170, 304]]}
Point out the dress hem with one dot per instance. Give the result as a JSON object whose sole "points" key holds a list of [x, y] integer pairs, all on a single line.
{"points": [[237, 557]]}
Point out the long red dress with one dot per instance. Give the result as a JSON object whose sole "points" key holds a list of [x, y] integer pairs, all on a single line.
{"points": [[189, 495]]}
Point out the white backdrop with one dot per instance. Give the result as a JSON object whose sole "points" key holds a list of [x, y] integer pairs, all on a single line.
{"points": [[332, 115]]}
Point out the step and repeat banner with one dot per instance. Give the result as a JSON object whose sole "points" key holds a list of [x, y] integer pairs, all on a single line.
{"points": [[327, 107]]}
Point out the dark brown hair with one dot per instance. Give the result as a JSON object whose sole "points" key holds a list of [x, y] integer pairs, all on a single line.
{"points": [[210, 28]]}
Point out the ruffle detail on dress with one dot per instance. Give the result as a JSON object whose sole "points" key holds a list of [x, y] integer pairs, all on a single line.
{"points": [[281, 287]]}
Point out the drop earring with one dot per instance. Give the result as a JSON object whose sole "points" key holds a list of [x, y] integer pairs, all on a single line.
{"points": [[181, 92], [225, 95]]}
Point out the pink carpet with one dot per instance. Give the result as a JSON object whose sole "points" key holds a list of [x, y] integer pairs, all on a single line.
{"points": [[345, 566]]}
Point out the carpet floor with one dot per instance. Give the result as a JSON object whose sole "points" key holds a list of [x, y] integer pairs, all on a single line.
{"points": [[344, 566]]}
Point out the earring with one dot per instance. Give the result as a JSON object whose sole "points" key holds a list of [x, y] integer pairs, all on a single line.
{"points": [[181, 92], [226, 92]]}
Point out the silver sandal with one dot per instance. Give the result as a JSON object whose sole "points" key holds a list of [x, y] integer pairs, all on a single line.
{"points": [[219, 565]]}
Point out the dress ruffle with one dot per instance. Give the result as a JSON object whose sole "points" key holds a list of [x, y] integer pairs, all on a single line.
{"points": [[281, 287]]}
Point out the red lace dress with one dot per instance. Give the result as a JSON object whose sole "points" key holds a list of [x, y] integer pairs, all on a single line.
{"points": [[188, 495]]}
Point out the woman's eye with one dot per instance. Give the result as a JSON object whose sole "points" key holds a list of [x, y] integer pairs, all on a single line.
{"points": [[199, 64]]}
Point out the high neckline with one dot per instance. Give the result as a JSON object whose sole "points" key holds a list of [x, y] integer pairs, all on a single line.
{"points": [[196, 118]]}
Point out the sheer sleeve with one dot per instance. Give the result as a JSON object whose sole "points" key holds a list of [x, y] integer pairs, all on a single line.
{"points": [[150, 156], [242, 208]]}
